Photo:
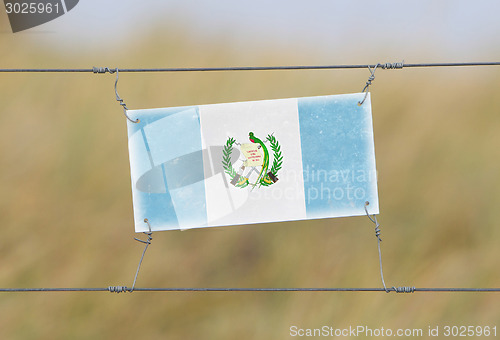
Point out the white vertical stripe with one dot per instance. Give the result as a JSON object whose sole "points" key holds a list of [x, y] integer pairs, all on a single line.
{"points": [[282, 201]]}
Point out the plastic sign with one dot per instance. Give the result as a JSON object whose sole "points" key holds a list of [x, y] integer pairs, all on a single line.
{"points": [[252, 162]]}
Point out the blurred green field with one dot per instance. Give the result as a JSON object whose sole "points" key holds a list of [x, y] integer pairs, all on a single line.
{"points": [[66, 207]]}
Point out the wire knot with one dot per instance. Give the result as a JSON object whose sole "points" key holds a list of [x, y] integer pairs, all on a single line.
{"points": [[368, 83], [118, 289], [378, 232], [147, 233], [374, 221], [403, 289], [147, 242], [392, 66], [103, 70], [120, 100]]}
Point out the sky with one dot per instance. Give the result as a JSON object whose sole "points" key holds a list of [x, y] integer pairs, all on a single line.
{"points": [[455, 30]]}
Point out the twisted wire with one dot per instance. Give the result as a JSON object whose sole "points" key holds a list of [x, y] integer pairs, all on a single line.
{"points": [[249, 68], [404, 289], [147, 242], [372, 68], [392, 66], [379, 239], [368, 83], [377, 234], [120, 289], [118, 99], [104, 70]]}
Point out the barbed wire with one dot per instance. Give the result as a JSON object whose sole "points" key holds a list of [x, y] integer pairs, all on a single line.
{"points": [[120, 289], [397, 65]]}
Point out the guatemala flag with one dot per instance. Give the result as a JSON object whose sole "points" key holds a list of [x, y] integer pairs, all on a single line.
{"points": [[252, 162]]}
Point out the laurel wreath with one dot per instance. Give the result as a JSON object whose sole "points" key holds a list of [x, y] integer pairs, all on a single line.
{"points": [[278, 158], [226, 157]]}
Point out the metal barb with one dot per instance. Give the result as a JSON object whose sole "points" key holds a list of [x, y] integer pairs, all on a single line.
{"points": [[117, 289], [392, 66], [404, 289], [102, 70]]}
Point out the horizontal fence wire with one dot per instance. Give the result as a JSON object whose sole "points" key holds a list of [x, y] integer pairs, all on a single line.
{"points": [[119, 289], [249, 68]]}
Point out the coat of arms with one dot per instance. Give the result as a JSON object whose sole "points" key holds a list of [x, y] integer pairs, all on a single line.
{"points": [[253, 169]]}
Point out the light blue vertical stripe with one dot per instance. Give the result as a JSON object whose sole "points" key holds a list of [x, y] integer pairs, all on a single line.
{"points": [[152, 201], [169, 137], [174, 136], [337, 155]]}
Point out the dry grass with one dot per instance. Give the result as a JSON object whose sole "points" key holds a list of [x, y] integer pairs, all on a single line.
{"points": [[66, 211]]}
